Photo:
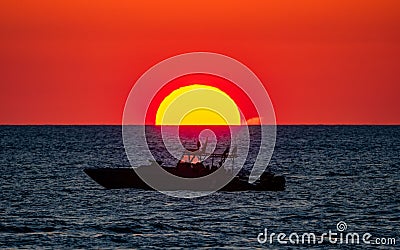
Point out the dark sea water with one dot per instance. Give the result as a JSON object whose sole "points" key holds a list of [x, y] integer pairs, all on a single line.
{"points": [[334, 173]]}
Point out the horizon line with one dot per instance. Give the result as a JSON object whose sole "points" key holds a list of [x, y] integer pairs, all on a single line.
{"points": [[282, 124]]}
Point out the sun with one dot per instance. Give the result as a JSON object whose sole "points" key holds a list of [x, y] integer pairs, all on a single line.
{"points": [[198, 104]]}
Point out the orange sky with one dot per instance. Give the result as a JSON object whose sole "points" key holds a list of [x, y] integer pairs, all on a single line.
{"points": [[322, 62]]}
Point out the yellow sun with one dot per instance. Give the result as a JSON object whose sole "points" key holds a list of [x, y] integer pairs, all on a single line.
{"points": [[198, 104]]}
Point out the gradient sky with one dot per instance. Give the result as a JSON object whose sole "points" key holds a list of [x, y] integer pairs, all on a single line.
{"points": [[322, 62]]}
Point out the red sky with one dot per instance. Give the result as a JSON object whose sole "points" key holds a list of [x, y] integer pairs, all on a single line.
{"points": [[322, 62]]}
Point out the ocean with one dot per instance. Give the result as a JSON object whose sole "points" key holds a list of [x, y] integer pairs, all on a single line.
{"points": [[334, 174]]}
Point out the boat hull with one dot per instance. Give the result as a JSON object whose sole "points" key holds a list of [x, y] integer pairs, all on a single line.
{"points": [[118, 178]]}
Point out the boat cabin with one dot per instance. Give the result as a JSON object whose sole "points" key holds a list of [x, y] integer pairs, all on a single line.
{"points": [[199, 159]]}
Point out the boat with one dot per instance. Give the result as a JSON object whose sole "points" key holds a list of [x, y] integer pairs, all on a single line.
{"points": [[194, 163]]}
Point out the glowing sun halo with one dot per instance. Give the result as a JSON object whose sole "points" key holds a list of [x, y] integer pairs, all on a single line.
{"points": [[198, 104]]}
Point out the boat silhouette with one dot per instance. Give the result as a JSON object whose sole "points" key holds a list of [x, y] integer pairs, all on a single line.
{"points": [[192, 164]]}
